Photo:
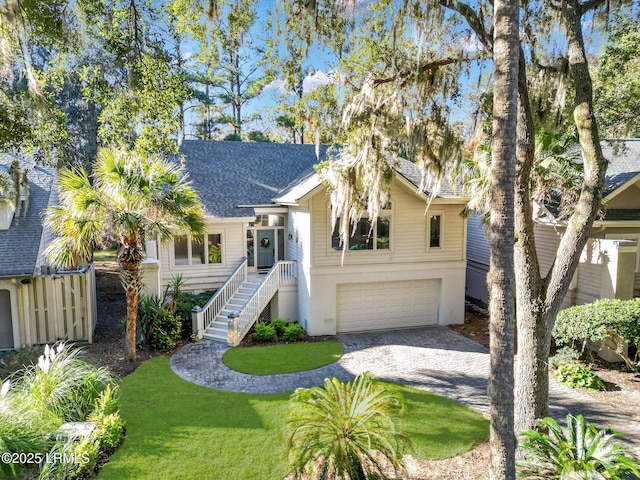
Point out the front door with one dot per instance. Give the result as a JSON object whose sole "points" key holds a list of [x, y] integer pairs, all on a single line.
{"points": [[266, 248], [6, 321]]}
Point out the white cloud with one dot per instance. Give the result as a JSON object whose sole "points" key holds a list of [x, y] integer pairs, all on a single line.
{"points": [[277, 84], [472, 44], [309, 84], [316, 80]]}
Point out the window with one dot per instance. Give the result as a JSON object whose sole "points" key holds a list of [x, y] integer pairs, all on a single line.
{"points": [[435, 231], [366, 238], [181, 251], [271, 220], [214, 242], [187, 251]]}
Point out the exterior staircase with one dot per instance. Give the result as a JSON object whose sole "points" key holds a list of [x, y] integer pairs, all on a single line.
{"points": [[237, 304], [219, 329]]}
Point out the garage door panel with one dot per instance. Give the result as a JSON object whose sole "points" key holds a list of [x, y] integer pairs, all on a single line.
{"points": [[384, 305]]}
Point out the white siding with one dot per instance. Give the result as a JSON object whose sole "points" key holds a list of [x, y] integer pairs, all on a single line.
{"points": [[409, 261], [204, 277], [547, 243], [408, 240], [298, 248], [588, 286]]}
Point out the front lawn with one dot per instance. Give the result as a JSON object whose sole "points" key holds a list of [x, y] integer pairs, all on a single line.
{"points": [[104, 256], [176, 429], [284, 358]]}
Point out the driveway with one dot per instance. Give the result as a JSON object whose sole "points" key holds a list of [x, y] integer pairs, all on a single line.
{"points": [[434, 358]]}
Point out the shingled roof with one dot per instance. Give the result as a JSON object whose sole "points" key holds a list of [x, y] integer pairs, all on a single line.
{"points": [[624, 162], [20, 244], [230, 176]]}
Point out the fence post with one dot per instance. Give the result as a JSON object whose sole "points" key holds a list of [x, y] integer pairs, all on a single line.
{"points": [[197, 326]]}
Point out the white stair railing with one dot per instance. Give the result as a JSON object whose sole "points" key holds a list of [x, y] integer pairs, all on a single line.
{"points": [[282, 273], [201, 317]]}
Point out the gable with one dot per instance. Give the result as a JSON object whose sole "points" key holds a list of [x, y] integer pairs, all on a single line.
{"points": [[624, 164], [627, 197]]}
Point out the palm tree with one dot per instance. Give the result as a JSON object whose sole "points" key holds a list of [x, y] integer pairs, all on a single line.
{"points": [[585, 453], [344, 430], [129, 198]]}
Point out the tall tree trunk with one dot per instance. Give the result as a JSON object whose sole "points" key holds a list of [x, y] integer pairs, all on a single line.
{"points": [[130, 259], [501, 278], [539, 299], [531, 375], [132, 315]]}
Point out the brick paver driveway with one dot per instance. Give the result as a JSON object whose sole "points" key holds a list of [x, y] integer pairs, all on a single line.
{"points": [[434, 358]]}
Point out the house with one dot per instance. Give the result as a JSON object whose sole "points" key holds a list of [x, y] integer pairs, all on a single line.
{"points": [[38, 305], [268, 211], [610, 263]]}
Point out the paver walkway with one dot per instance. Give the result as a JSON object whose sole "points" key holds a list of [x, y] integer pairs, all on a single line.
{"points": [[434, 358]]}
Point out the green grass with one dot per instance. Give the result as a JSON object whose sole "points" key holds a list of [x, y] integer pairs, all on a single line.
{"points": [[104, 256], [285, 358], [178, 430]]}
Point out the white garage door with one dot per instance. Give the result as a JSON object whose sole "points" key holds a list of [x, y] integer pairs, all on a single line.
{"points": [[387, 305]]}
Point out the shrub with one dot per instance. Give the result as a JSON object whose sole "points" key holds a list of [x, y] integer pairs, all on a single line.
{"points": [[563, 356], [584, 453], [159, 326], [344, 429], [185, 303], [58, 389], [22, 430], [264, 332], [106, 403], [109, 424], [63, 385], [294, 332], [577, 376], [608, 319], [279, 325], [71, 459], [108, 430], [167, 331]]}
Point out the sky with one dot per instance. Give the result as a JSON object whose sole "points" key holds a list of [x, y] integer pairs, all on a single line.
{"points": [[319, 63]]}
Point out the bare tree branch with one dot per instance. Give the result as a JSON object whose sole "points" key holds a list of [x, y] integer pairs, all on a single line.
{"points": [[475, 22]]}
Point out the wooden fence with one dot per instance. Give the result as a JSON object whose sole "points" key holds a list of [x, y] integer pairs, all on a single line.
{"points": [[61, 307]]}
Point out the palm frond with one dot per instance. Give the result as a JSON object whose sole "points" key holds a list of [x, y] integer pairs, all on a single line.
{"points": [[582, 453], [344, 429]]}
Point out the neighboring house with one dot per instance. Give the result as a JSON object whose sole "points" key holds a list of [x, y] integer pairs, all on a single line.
{"points": [[37, 304], [265, 205], [610, 263]]}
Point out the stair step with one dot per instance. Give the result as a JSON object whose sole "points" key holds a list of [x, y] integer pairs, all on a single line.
{"points": [[216, 338], [217, 328], [234, 305], [247, 289]]}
